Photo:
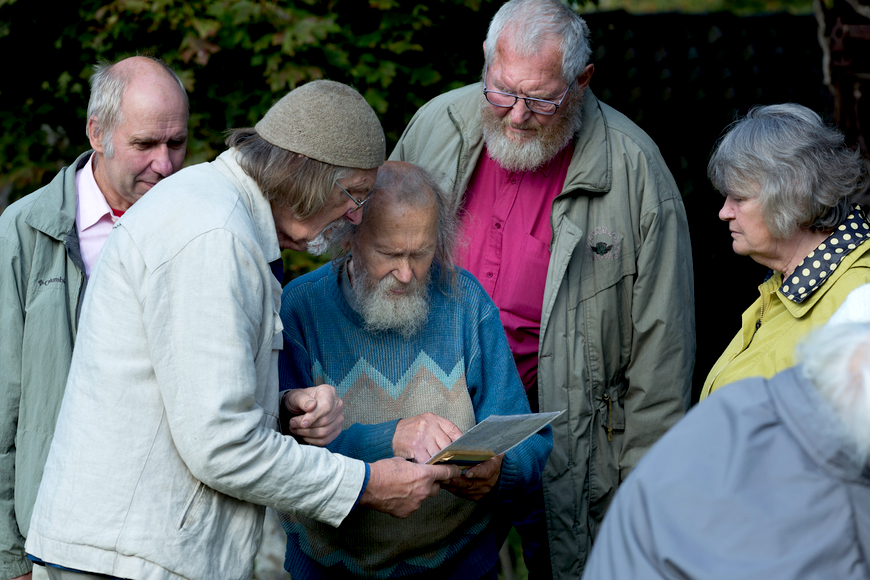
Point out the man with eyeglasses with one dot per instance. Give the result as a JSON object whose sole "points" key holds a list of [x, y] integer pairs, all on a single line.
{"points": [[576, 228], [168, 443]]}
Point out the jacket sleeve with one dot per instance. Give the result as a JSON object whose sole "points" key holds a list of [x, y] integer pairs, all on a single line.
{"points": [[659, 374], [13, 561], [205, 332], [495, 388]]}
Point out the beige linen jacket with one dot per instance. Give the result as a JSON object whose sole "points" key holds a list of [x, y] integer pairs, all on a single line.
{"points": [[167, 446]]}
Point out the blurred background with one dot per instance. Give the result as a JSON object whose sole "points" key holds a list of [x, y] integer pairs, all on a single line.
{"points": [[681, 69]]}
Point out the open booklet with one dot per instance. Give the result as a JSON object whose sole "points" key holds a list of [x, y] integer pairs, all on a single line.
{"points": [[494, 435]]}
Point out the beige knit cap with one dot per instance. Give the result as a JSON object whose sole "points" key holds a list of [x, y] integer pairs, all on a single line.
{"points": [[327, 121]]}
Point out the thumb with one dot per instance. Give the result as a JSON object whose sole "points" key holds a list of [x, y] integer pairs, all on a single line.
{"points": [[307, 404]]}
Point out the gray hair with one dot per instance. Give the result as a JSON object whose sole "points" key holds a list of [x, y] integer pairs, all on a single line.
{"points": [[531, 23], [409, 185], [108, 84], [836, 359], [801, 170], [292, 180]]}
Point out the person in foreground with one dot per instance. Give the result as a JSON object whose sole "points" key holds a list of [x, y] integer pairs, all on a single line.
{"points": [[576, 229], [418, 354], [49, 244], [788, 181], [768, 479], [167, 438]]}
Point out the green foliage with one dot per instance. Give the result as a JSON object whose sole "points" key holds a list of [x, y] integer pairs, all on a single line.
{"points": [[236, 58]]}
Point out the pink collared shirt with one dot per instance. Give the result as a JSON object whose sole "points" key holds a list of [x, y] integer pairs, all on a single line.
{"points": [[506, 224], [94, 217]]}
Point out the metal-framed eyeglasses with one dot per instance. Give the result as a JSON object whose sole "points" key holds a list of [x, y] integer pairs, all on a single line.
{"points": [[508, 100], [359, 202]]}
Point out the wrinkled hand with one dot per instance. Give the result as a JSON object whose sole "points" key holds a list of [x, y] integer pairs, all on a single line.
{"points": [[420, 437], [315, 413], [477, 481], [398, 487]]}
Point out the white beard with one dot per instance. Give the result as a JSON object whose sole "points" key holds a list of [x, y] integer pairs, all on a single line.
{"points": [[514, 154], [405, 313], [319, 245]]}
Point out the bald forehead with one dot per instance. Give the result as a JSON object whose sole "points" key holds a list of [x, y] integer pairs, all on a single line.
{"points": [[391, 217], [149, 77]]}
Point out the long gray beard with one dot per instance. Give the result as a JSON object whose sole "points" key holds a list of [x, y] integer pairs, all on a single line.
{"points": [[381, 310], [528, 155]]}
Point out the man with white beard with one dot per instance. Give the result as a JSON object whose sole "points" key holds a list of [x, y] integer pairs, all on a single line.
{"points": [[415, 348], [576, 229], [769, 478]]}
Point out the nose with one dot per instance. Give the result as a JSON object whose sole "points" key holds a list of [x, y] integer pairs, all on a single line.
{"points": [[160, 162], [519, 113], [354, 214], [727, 211], [403, 272]]}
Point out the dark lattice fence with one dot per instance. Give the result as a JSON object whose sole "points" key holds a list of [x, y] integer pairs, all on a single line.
{"points": [[683, 79]]}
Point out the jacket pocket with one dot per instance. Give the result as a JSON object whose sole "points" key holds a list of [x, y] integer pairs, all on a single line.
{"points": [[606, 259], [192, 507]]}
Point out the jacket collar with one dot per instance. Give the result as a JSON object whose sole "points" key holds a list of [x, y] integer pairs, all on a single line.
{"points": [[54, 215], [843, 263], [250, 194], [814, 270], [591, 167], [813, 423]]}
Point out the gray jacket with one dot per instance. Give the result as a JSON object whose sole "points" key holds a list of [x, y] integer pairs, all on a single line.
{"points": [[617, 340], [42, 283], [166, 440], [757, 482]]}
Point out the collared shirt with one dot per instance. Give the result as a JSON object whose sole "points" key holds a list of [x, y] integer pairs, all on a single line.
{"points": [[506, 224], [94, 217]]}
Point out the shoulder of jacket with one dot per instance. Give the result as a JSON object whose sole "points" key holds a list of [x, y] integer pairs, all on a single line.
{"points": [[456, 103], [42, 209], [620, 125]]}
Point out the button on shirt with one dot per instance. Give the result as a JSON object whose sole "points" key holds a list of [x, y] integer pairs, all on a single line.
{"points": [[506, 224], [94, 217]]}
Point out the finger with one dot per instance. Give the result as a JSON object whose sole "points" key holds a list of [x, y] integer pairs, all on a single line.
{"points": [[446, 472], [450, 430]]}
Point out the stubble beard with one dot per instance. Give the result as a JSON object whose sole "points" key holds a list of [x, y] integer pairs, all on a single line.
{"points": [[514, 154], [382, 310]]}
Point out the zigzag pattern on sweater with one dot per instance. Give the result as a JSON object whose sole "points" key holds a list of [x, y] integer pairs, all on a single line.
{"points": [[363, 369]]}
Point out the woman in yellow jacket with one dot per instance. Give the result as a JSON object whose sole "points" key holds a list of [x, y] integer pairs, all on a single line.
{"points": [[789, 183]]}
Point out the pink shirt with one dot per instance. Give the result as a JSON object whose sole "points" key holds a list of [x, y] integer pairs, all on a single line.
{"points": [[94, 217], [506, 224]]}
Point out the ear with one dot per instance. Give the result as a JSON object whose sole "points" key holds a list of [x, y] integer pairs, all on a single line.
{"points": [[94, 135], [586, 76]]}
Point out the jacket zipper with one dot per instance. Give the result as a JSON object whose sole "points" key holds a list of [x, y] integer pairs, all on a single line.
{"points": [[757, 322]]}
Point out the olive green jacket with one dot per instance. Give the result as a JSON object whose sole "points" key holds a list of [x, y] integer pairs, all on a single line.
{"points": [[617, 339], [42, 283]]}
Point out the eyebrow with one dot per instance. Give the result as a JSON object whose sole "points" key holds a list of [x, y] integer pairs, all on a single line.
{"points": [[503, 89], [151, 140]]}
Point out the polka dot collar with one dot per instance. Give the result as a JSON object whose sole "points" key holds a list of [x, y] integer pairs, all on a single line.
{"points": [[813, 270]]}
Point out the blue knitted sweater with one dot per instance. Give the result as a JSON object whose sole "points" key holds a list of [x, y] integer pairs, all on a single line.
{"points": [[458, 366]]}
